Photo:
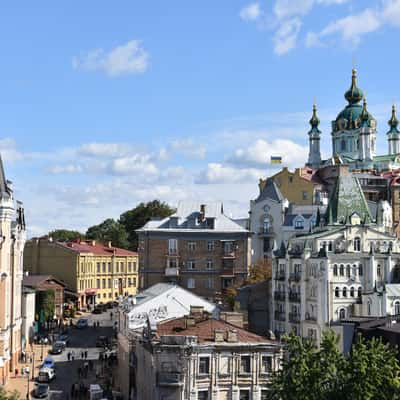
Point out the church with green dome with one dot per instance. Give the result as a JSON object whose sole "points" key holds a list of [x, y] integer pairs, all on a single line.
{"points": [[354, 136]]}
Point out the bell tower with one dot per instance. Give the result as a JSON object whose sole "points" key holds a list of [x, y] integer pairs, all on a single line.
{"points": [[314, 154]]}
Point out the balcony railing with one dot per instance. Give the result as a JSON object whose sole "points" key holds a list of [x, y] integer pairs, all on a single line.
{"points": [[310, 318], [294, 297], [266, 231], [172, 252], [295, 276], [280, 296], [172, 271], [169, 379], [294, 317], [229, 254], [280, 316], [280, 275]]}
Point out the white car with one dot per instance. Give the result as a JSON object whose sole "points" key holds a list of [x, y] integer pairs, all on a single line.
{"points": [[46, 375]]}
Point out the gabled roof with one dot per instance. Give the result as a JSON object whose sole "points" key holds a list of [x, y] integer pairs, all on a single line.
{"points": [[36, 280], [93, 247], [270, 191], [347, 198]]}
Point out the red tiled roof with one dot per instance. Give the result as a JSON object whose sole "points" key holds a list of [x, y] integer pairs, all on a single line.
{"points": [[98, 249], [37, 280], [204, 330]]}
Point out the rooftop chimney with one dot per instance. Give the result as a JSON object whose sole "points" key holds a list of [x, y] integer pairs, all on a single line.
{"points": [[219, 335], [196, 311], [233, 318], [202, 212], [232, 336], [189, 321]]}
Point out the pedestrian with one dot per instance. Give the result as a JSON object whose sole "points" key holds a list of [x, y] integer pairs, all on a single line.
{"points": [[82, 354], [111, 315], [90, 365], [16, 372], [69, 356], [86, 354], [72, 355]]}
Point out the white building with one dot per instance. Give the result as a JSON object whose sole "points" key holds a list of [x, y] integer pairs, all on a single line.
{"points": [[28, 316], [350, 266]]}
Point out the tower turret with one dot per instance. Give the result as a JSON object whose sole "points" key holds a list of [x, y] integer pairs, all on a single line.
{"points": [[366, 147], [393, 135], [314, 155]]}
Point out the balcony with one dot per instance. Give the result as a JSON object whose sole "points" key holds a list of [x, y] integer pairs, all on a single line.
{"points": [[280, 276], [172, 271], [295, 276], [170, 379], [294, 297], [310, 318], [229, 254], [266, 231], [280, 316], [172, 253], [294, 317], [280, 296]]}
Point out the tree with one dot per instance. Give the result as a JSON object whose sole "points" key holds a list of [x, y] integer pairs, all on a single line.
{"points": [[45, 304], [140, 215], [109, 231], [371, 371], [260, 271], [4, 395], [65, 235]]}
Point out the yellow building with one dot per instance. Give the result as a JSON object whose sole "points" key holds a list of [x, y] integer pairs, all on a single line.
{"points": [[98, 273], [301, 187]]}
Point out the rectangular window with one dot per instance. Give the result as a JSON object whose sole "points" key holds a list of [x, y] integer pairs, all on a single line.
{"points": [[122, 267], [98, 284], [129, 282], [117, 266], [191, 246], [104, 267], [266, 245], [129, 266], [191, 264], [204, 365], [305, 195], [266, 364], [209, 264], [209, 283], [191, 284], [109, 268], [203, 395], [210, 245], [109, 283], [172, 246], [134, 281], [104, 283], [245, 367], [134, 266], [244, 395], [228, 247], [98, 267], [224, 365]]}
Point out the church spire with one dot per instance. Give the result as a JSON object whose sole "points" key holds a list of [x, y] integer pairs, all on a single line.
{"points": [[354, 94], [393, 135], [393, 121], [314, 121], [364, 113], [314, 155]]}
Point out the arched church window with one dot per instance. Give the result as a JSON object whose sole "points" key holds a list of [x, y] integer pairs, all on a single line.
{"points": [[344, 292], [337, 294], [343, 145], [348, 270], [266, 224], [378, 270], [342, 313], [359, 291], [357, 244], [360, 270], [335, 270], [352, 291], [369, 307], [341, 270], [397, 307]]}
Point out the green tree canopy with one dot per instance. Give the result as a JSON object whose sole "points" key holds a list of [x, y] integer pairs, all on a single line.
{"points": [[109, 231], [65, 235], [4, 395], [140, 215], [371, 371]]}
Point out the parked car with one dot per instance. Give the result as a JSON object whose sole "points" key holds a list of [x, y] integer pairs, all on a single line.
{"points": [[97, 310], [63, 338], [58, 348], [82, 323], [102, 341], [48, 363], [41, 391], [46, 375], [109, 305]]}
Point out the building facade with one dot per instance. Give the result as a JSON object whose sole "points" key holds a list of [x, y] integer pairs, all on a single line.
{"points": [[98, 273], [13, 236], [348, 266], [196, 358], [198, 247]]}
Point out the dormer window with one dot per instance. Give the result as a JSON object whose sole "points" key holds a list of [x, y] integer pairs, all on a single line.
{"points": [[299, 223]]}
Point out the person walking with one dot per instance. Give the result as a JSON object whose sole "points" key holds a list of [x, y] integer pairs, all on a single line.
{"points": [[111, 315], [86, 354], [73, 355], [82, 355], [69, 356]]}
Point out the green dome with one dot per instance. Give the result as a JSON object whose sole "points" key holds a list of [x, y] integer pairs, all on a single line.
{"points": [[354, 95]]}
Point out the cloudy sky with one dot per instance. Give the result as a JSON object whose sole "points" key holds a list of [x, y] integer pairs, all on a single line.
{"points": [[105, 104]]}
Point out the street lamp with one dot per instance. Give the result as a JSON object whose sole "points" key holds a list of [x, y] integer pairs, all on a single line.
{"points": [[41, 354], [33, 365], [27, 389]]}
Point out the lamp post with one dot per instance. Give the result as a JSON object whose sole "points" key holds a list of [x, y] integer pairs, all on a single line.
{"points": [[33, 366], [27, 389], [41, 354]]}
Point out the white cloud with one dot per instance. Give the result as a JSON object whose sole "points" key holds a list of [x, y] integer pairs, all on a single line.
{"points": [[189, 148], [258, 154], [289, 8], [251, 12], [129, 58], [285, 38], [218, 173], [65, 169], [103, 149], [9, 151], [136, 164]]}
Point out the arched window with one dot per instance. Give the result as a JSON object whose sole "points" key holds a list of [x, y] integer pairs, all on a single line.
{"points": [[343, 145], [348, 270], [342, 313], [330, 245], [337, 294], [335, 270], [369, 307], [341, 270], [266, 225], [352, 292], [357, 244], [354, 269], [360, 270], [344, 292], [359, 291], [397, 307], [378, 270]]}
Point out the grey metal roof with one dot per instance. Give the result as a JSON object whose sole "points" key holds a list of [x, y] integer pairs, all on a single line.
{"points": [[373, 208], [289, 218], [270, 191]]}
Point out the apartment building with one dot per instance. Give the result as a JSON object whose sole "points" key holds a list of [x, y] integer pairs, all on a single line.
{"points": [[198, 247], [199, 358], [97, 272]]}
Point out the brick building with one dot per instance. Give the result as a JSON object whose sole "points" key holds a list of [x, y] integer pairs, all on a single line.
{"points": [[198, 247]]}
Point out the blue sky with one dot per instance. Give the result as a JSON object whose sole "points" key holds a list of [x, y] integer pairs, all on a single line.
{"points": [[106, 104]]}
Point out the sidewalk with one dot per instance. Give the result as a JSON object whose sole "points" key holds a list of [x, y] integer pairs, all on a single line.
{"points": [[20, 383]]}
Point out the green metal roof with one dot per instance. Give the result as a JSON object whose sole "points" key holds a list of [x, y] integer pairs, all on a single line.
{"points": [[347, 199]]}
